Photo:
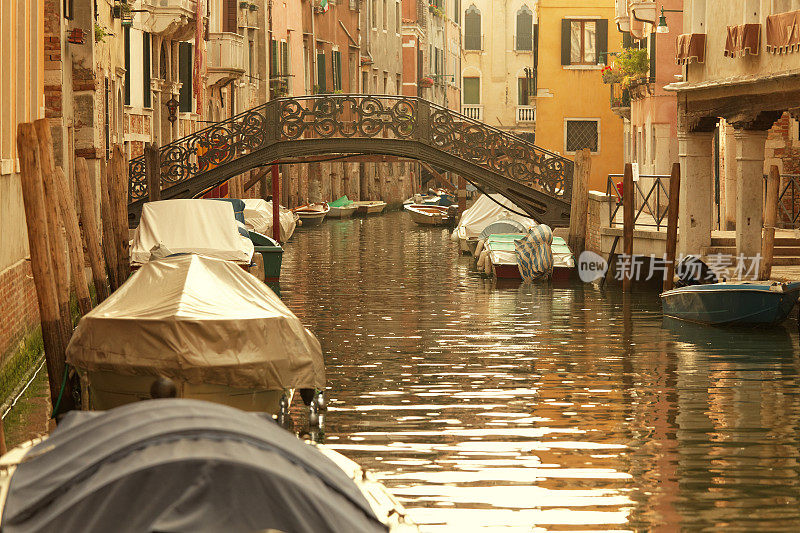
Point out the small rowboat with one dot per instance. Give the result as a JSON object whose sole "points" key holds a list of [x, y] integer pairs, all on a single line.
{"points": [[429, 215], [369, 208], [312, 214], [741, 302], [502, 256], [345, 211]]}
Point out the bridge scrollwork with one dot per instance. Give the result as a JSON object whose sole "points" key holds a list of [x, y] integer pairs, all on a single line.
{"points": [[310, 119]]}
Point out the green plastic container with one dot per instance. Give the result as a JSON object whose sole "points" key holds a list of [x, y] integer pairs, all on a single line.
{"points": [[271, 252]]}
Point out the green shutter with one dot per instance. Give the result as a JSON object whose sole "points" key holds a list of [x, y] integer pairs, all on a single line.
{"points": [[524, 30], [146, 70], [566, 50], [472, 91], [652, 57], [472, 29], [626, 39], [126, 32], [602, 41], [339, 70], [274, 71], [285, 59], [321, 72]]}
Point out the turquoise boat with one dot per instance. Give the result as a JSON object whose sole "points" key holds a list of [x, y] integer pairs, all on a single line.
{"points": [[272, 253], [748, 302]]}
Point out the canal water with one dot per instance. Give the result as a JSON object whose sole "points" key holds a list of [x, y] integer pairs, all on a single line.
{"points": [[541, 408]]}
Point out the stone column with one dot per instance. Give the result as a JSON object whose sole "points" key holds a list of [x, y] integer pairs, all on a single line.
{"points": [[749, 190], [729, 185], [697, 192]]}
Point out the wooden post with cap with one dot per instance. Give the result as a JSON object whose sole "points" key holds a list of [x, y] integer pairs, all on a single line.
{"points": [[276, 206], [672, 224], [627, 226]]}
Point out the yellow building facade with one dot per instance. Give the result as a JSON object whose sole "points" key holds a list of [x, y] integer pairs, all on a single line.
{"points": [[572, 103]]}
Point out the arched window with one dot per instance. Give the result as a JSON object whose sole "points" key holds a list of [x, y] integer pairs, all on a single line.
{"points": [[524, 29], [472, 28]]}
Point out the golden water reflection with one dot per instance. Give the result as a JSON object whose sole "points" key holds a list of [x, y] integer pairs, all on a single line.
{"points": [[546, 407]]}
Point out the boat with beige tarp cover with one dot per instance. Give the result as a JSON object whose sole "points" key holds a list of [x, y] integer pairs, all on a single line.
{"points": [[216, 331]]}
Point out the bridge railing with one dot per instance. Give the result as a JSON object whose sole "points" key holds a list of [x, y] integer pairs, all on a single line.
{"points": [[358, 116]]}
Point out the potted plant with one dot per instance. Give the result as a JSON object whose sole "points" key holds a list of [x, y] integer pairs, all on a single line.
{"points": [[253, 7], [244, 5], [426, 82]]}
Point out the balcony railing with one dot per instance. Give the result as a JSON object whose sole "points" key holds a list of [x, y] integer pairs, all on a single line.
{"points": [[226, 57], [475, 112], [526, 114], [620, 96]]}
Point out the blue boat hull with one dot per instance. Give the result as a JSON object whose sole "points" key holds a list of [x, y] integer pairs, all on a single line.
{"points": [[730, 304]]}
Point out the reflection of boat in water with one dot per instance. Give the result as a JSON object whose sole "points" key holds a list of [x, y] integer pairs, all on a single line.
{"points": [[217, 332], [185, 465], [429, 215], [312, 214], [748, 343], [743, 302]]}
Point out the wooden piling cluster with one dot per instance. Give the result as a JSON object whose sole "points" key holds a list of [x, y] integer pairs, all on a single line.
{"points": [[62, 238]]}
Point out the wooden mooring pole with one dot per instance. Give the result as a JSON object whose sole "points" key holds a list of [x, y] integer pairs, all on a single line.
{"points": [[579, 208], [91, 233], [627, 226], [33, 199], [77, 261], [109, 249], [770, 218], [118, 194], [276, 204], [152, 171], [672, 224]]}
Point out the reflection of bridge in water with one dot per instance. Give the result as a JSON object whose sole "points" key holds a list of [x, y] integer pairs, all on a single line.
{"points": [[538, 181]]}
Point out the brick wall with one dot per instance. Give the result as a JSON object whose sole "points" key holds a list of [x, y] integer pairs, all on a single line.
{"points": [[19, 305], [596, 220], [783, 148]]}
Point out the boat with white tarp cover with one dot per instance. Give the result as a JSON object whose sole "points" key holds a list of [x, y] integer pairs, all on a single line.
{"points": [[486, 210], [218, 332], [174, 465], [207, 227], [258, 217]]}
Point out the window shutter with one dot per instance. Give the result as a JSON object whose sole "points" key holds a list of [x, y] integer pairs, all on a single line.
{"points": [[472, 91], [626, 39], [146, 70], [566, 51], [321, 72], [229, 22], [273, 59], [535, 58], [524, 29], [185, 76], [602, 41], [338, 72], [127, 36], [285, 58], [472, 29], [652, 57]]}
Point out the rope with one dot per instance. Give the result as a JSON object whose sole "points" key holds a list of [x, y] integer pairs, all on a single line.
{"points": [[61, 392], [18, 396]]}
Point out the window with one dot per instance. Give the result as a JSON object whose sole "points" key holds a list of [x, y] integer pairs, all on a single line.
{"points": [[127, 37], [374, 12], [582, 134], [274, 61], [457, 11], [185, 76], [526, 90], [251, 46], [584, 42], [472, 28], [472, 91], [385, 15], [398, 19], [146, 70], [524, 29], [336, 70]]}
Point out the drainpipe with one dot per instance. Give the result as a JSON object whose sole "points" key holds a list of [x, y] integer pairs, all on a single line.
{"points": [[313, 47]]}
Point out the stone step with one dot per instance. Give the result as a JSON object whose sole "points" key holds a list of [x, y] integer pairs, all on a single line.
{"points": [[731, 241], [779, 251]]}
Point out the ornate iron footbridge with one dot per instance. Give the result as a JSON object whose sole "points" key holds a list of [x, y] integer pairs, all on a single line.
{"points": [[538, 181]]}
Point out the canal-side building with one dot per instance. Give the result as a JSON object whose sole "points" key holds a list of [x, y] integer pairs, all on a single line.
{"points": [[649, 112], [572, 111], [499, 67], [21, 100], [739, 97]]}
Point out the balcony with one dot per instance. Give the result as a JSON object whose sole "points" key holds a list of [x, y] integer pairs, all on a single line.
{"points": [[227, 58], [644, 12], [472, 111], [620, 100], [526, 114], [171, 19]]}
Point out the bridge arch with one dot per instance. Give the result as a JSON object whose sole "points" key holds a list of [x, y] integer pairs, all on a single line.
{"points": [[539, 181]]}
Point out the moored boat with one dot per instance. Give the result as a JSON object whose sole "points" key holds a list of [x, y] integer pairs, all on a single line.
{"points": [[258, 217], [216, 331], [740, 302], [342, 208], [429, 215], [186, 465], [312, 214], [486, 210], [370, 207], [207, 227], [503, 260]]}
